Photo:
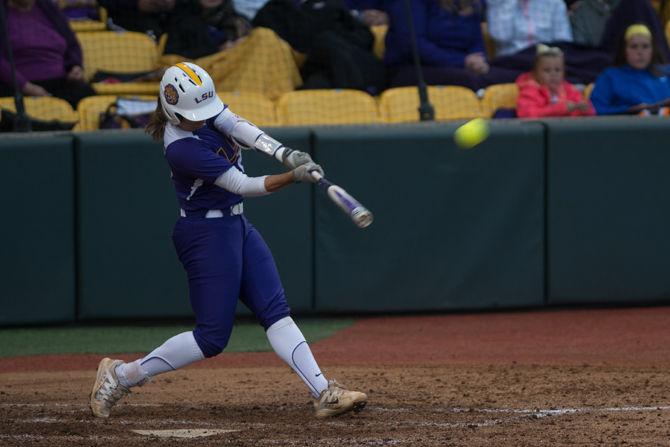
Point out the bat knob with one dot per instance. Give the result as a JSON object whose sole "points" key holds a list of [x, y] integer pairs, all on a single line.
{"points": [[362, 217]]}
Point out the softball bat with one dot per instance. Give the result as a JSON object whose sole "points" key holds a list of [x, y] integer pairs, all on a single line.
{"points": [[361, 216]]}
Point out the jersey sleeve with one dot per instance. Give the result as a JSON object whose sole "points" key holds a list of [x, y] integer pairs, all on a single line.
{"points": [[190, 157]]}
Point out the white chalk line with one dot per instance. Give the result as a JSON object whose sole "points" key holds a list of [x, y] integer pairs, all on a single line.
{"points": [[512, 413]]}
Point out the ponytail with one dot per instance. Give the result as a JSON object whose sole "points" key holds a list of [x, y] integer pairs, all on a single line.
{"points": [[157, 122]]}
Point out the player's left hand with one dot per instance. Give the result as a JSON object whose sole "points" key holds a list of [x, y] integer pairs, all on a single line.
{"points": [[296, 158]]}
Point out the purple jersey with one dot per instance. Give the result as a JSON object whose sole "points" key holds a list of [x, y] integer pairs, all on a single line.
{"points": [[197, 159]]}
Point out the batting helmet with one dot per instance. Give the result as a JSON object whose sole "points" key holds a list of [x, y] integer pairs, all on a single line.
{"points": [[188, 91]]}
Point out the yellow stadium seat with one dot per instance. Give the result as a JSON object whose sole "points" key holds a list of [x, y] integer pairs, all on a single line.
{"points": [[253, 106], [337, 106], [588, 90], [126, 52], [46, 108], [379, 32], [400, 105], [89, 110], [499, 96]]}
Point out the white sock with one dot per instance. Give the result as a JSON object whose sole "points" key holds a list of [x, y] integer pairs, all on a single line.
{"points": [[290, 345], [175, 353]]}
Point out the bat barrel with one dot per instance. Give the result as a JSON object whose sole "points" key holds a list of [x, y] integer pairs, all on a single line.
{"points": [[362, 217]]}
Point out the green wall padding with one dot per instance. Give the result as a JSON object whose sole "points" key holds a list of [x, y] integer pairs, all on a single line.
{"points": [[608, 210], [128, 267], [454, 229], [37, 226]]}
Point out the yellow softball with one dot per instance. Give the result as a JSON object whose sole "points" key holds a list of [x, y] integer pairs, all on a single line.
{"points": [[471, 133]]}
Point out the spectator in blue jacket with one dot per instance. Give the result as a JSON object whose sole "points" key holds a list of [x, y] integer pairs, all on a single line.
{"points": [[639, 82], [450, 44]]}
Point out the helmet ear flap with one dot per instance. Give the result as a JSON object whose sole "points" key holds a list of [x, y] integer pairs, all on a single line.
{"points": [[172, 118]]}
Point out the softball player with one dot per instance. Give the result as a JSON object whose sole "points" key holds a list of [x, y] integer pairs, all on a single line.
{"points": [[223, 254]]}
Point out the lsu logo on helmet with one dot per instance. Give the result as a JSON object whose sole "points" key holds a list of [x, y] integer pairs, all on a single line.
{"points": [[204, 97]]}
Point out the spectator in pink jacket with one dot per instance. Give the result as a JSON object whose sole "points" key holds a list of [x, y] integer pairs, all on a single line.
{"points": [[544, 92]]}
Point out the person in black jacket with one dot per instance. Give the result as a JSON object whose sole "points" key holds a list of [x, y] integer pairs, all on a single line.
{"points": [[198, 28], [337, 45]]}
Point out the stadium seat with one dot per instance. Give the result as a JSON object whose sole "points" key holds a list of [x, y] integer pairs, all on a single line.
{"points": [[126, 52], [46, 108], [667, 30], [379, 32], [400, 105], [89, 110], [337, 106], [499, 96], [252, 106]]}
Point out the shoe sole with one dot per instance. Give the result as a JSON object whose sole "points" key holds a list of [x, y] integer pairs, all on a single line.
{"points": [[357, 407]]}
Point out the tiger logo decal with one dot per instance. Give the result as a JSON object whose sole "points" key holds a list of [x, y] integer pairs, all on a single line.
{"points": [[170, 94]]}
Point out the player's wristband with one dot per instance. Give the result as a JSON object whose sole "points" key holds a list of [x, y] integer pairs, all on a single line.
{"points": [[268, 145]]}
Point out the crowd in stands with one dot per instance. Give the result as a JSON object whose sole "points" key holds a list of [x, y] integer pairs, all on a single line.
{"points": [[551, 49]]}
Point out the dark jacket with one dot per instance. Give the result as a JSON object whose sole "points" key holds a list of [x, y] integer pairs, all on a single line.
{"points": [[300, 24], [193, 32], [338, 46]]}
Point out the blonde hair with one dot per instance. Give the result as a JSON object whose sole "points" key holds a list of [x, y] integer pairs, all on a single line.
{"points": [[542, 51]]}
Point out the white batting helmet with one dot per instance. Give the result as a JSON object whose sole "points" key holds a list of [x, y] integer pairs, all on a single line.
{"points": [[188, 91]]}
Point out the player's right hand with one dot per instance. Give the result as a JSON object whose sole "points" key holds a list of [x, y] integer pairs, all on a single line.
{"points": [[303, 173], [297, 158]]}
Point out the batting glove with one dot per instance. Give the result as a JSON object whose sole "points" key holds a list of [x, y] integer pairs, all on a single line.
{"points": [[292, 159], [303, 173]]}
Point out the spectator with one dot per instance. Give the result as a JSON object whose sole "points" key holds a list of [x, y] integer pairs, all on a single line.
{"points": [[47, 56], [144, 16], [544, 91], [600, 23], [369, 12], [449, 40], [516, 26], [338, 47], [240, 58], [638, 83], [199, 28], [629, 12]]}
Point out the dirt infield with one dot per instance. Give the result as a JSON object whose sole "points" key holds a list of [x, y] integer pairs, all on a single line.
{"points": [[578, 377]]}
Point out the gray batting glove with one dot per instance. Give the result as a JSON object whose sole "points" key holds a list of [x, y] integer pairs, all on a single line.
{"points": [[303, 173], [292, 159]]}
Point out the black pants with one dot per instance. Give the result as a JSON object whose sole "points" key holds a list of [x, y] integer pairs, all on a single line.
{"points": [[70, 91], [406, 75]]}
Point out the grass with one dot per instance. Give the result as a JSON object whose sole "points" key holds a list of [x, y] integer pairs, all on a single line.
{"points": [[246, 337]]}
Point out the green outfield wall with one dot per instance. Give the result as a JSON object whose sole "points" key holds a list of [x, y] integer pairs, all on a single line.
{"points": [[608, 210], [455, 229], [37, 259], [543, 213]]}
